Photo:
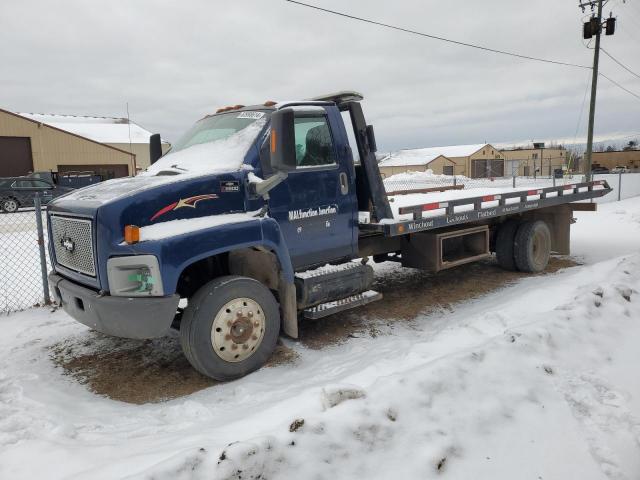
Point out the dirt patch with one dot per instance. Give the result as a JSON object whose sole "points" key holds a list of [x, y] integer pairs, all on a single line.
{"points": [[138, 371], [409, 292], [152, 371]]}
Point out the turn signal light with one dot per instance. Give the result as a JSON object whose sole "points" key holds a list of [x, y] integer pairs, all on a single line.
{"points": [[273, 141], [131, 234]]}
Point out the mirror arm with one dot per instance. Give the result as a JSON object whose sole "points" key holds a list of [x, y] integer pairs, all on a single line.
{"points": [[262, 188]]}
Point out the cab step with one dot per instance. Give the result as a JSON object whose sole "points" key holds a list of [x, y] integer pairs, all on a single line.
{"points": [[353, 301]]}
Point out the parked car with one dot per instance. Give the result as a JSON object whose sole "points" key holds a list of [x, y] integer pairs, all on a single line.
{"points": [[18, 192], [599, 170], [71, 179], [620, 169]]}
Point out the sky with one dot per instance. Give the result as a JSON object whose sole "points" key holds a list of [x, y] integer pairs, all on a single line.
{"points": [[175, 61]]}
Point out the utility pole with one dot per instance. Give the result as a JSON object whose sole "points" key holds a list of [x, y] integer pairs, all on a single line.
{"points": [[594, 27], [592, 103]]}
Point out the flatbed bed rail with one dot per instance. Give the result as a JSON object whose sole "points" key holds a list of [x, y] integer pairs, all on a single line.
{"points": [[563, 194]]}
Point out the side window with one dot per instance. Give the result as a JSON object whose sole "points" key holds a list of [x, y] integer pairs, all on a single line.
{"points": [[314, 146], [346, 117]]}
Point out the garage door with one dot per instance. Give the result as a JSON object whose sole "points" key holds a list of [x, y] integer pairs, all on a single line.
{"points": [[487, 168], [512, 168], [15, 156], [107, 172]]}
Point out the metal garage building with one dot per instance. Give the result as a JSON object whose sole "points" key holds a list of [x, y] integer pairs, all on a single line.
{"points": [[476, 161], [37, 142]]}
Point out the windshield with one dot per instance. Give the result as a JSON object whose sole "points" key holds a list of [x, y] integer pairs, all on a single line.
{"points": [[215, 128], [214, 144]]}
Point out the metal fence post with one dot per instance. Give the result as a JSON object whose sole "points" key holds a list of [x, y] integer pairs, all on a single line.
{"points": [[454, 180], [514, 181], [43, 257], [619, 186]]}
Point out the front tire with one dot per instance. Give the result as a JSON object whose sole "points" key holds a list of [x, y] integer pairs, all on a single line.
{"points": [[230, 327], [10, 205]]}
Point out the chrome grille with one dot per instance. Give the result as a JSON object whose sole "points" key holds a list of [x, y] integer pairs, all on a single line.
{"points": [[73, 243]]}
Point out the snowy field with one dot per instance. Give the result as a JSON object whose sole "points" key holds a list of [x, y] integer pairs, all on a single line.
{"points": [[534, 380]]}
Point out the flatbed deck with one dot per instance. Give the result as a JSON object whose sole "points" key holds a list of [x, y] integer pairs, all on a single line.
{"points": [[473, 209]]}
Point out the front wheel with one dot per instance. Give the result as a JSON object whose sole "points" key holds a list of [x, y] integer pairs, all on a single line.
{"points": [[10, 205], [230, 327]]}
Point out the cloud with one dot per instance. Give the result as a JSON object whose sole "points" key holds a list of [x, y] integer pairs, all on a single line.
{"points": [[175, 61]]}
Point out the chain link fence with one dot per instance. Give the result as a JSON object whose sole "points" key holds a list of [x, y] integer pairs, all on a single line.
{"points": [[21, 264], [406, 182]]}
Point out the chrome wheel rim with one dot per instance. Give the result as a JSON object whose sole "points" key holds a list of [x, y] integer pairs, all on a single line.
{"points": [[238, 329]]}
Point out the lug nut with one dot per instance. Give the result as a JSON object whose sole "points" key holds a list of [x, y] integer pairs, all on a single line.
{"points": [[234, 347], [245, 346], [256, 324], [227, 337], [254, 337], [251, 314]]}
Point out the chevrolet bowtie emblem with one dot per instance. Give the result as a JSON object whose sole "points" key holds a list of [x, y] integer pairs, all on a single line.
{"points": [[68, 244]]}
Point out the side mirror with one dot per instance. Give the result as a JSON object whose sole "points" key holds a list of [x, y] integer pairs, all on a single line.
{"points": [[155, 148], [282, 142]]}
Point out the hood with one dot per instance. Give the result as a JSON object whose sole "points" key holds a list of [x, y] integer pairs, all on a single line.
{"points": [[148, 200]]}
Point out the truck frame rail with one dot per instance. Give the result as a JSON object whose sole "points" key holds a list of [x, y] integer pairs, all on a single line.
{"points": [[527, 200]]}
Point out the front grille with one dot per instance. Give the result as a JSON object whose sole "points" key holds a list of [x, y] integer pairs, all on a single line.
{"points": [[73, 243]]}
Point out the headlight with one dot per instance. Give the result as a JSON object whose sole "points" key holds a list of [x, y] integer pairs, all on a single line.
{"points": [[134, 276]]}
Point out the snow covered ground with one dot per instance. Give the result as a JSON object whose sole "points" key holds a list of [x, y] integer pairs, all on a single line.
{"points": [[537, 380]]}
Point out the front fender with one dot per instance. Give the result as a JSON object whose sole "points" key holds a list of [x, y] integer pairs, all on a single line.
{"points": [[178, 252]]}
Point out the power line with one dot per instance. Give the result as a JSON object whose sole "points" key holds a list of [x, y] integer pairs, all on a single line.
{"points": [[620, 86], [619, 62], [455, 42], [435, 37], [584, 98]]}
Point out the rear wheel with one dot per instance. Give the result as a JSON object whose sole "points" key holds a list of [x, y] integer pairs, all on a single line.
{"points": [[230, 327], [505, 239], [10, 205], [532, 246]]}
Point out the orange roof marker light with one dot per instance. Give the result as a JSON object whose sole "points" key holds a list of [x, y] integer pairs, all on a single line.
{"points": [[131, 234], [269, 103]]}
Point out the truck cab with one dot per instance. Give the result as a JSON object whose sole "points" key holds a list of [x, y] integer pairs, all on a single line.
{"points": [[248, 197]]}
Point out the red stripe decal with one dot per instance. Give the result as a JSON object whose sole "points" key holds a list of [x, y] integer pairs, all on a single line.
{"points": [[164, 210]]}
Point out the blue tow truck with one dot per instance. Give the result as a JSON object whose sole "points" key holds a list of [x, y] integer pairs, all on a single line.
{"points": [[263, 215]]}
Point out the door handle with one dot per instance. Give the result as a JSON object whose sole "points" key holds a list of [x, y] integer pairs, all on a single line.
{"points": [[344, 183]]}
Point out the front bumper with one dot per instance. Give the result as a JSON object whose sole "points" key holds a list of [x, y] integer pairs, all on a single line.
{"points": [[127, 317]]}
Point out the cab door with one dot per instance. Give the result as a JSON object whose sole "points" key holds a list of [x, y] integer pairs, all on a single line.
{"points": [[315, 205]]}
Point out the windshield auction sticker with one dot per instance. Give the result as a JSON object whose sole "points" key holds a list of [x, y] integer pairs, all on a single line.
{"points": [[254, 115]]}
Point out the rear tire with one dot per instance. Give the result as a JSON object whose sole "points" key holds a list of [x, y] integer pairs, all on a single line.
{"points": [[505, 239], [230, 327], [532, 246]]}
